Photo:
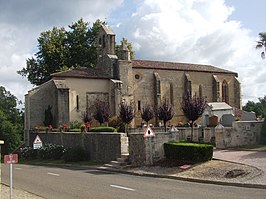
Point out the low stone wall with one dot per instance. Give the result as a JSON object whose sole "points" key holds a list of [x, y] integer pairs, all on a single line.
{"points": [[240, 134], [102, 147], [1, 142], [146, 151]]}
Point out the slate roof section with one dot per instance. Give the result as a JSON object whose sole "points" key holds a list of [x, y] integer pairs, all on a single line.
{"points": [[219, 106], [160, 65], [83, 72], [108, 30]]}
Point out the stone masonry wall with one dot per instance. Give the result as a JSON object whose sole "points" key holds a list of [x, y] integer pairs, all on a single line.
{"points": [[1, 142], [102, 147], [37, 101], [146, 151], [240, 134]]}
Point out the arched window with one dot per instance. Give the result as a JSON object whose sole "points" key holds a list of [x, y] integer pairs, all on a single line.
{"points": [[200, 91], [225, 96], [171, 93]]}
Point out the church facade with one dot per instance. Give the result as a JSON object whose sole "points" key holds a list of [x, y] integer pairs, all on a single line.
{"points": [[116, 78]]}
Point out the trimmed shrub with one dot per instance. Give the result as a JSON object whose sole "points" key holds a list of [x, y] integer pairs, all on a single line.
{"points": [[74, 130], [75, 124], [51, 151], [103, 129], [188, 152], [75, 154], [27, 153], [117, 123]]}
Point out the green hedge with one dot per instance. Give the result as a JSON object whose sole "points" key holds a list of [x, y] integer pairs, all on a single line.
{"points": [[48, 151], [103, 129], [188, 152]]}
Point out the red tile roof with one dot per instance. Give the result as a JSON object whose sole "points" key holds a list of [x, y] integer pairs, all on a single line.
{"points": [[83, 72], [159, 65]]}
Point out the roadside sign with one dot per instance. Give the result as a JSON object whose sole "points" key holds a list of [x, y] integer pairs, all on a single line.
{"points": [[149, 132], [11, 159], [37, 143]]}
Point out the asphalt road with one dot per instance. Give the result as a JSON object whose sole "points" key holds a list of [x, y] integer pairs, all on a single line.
{"points": [[54, 182]]}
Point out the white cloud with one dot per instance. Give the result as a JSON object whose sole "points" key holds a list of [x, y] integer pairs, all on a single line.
{"points": [[21, 23], [197, 31]]}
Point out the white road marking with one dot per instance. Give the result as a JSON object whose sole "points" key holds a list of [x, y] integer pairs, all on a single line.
{"points": [[53, 174], [18, 168], [119, 187]]}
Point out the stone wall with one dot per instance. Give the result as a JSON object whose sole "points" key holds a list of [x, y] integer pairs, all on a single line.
{"points": [[172, 88], [102, 147], [37, 101], [240, 134], [146, 151], [1, 142]]}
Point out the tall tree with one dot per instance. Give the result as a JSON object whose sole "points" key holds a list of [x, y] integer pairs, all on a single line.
{"points": [[82, 43], [165, 112], [129, 46], [11, 121], [127, 113], [193, 108], [258, 107], [261, 44], [147, 113], [101, 111], [60, 49]]}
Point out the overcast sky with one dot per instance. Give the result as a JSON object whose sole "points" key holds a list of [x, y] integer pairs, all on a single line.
{"points": [[222, 33]]}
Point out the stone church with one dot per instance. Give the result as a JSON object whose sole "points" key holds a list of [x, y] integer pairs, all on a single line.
{"points": [[116, 78]]}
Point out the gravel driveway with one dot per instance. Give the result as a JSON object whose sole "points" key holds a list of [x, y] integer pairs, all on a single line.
{"points": [[252, 158]]}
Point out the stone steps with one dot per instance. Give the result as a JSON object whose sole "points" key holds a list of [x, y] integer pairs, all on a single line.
{"points": [[120, 162]]}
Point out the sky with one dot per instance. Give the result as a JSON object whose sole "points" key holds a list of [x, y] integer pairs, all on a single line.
{"points": [[221, 33]]}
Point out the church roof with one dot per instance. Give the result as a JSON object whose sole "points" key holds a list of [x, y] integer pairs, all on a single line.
{"points": [[147, 64], [108, 30], [83, 72]]}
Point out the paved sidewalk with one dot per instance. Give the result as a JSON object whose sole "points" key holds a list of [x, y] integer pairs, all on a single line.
{"points": [[16, 193], [253, 158]]}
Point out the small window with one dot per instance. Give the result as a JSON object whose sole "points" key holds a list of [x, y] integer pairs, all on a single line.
{"points": [[139, 105], [77, 102], [100, 41], [137, 76], [200, 91], [103, 41]]}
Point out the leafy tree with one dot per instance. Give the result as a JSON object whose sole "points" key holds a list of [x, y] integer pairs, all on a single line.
{"points": [[261, 44], [258, 107], [59, 49], [127, 113], [129, 46], [101, 111], [165, 112], [147, 113], [11, 121], [193, 108], [87, 117]]}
